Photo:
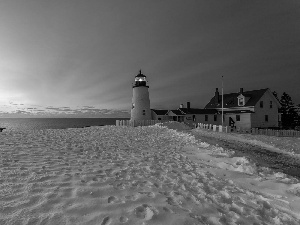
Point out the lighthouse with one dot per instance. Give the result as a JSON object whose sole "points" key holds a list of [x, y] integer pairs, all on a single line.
{"points": [[140, 99]]}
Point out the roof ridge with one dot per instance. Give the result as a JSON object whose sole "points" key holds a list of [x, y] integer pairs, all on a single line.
{"points": [[247, 91]]}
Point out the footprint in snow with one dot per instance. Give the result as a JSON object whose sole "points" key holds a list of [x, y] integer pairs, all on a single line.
{"points": [[123, 219], [145, 211], [167, 210], [132, 197], [106, 221], [112, 199], [148, 194]]}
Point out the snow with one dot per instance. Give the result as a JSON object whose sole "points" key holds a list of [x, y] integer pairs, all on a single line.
{"points": [[143, 175], [287, 145]]}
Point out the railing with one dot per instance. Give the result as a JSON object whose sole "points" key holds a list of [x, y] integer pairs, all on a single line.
{"points": [[256, 131], [135, 123]]}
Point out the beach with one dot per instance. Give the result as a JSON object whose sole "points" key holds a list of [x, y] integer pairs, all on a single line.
{"points": [[142, 175]]}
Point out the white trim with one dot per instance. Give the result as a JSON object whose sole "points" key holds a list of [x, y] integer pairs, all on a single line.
{"points": [[241, 97]]}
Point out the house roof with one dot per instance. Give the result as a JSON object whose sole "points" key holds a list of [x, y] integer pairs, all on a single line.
{"points": [[160, 112], [231, 100], [238, 111], [198, 111], [177, 112]]}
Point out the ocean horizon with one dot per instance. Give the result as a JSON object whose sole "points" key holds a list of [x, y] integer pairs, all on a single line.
{"points": [[54, 123]]}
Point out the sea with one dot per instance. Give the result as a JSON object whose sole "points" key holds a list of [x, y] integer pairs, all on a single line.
{"points": [[54, 123]]}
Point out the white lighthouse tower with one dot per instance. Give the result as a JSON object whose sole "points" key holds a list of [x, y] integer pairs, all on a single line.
{"points": [[140, 100]]}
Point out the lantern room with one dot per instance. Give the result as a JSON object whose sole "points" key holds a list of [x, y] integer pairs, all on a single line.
{"points": [[140, 80]]}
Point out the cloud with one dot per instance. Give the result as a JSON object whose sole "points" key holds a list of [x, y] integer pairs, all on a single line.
{"points": [[183, 47], [65, 111], [53, 108], [21, 112]]}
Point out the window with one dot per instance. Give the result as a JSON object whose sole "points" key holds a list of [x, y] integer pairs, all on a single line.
{"points": [[261, 104], [238, 118], [271, 104], [266, 118], [159, 118], [194, 117], [215, 117], [206, 117], [144, 112], [241, 101]]}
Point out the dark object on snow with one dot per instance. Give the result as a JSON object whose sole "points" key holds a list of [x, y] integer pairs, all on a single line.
{"points": [[2, 128]]}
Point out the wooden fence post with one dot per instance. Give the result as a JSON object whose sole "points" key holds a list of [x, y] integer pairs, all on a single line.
{"points": [[220, 128]]}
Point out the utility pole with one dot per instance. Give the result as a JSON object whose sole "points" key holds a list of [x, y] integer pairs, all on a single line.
{"points": [[222, 104]]}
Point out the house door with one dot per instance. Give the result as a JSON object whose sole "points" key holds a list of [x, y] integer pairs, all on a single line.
{"points": [[231, 122], [175, 118]]}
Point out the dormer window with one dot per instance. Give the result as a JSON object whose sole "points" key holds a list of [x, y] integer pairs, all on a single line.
{"points": [[241, 100]]}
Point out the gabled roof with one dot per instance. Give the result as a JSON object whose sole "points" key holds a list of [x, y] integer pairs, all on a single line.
{"points": [[160, 112], [177, 112], [198, 111], [231, 100]]}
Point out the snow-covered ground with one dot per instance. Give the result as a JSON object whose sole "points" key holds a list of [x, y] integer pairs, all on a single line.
{"points": [[143, 175], [289, 145]]}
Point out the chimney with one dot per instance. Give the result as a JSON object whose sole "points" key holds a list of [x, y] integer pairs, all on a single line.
{"points": [[181, 106], [241, 90], [217, 96], [188, 105]]}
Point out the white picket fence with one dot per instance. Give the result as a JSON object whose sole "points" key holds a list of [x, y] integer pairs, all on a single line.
{"points": [[269, 132], [217, 128], [278, 133], [135, 123]]}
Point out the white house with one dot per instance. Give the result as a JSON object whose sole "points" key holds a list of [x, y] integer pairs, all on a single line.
{"points": [[249, 109]]}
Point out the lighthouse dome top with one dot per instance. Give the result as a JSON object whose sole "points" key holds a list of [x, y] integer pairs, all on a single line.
{"points": [[140, 74], [140, 80]]}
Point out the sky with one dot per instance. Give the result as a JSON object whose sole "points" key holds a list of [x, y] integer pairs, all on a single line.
{"points": [[74, 58]]}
